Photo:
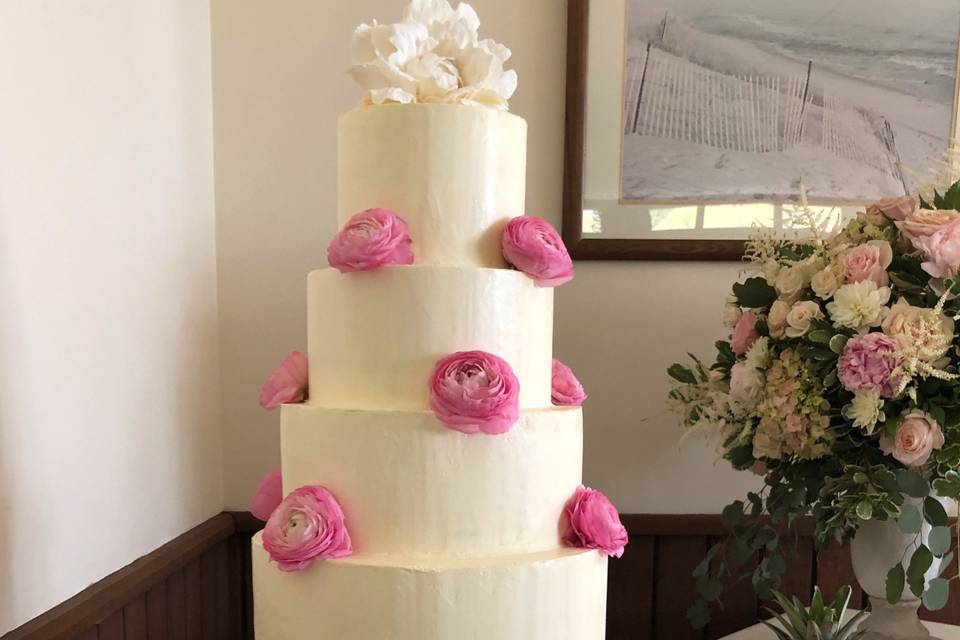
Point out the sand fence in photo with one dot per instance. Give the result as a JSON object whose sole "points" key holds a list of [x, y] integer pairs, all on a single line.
{"points": [[669, 97]]}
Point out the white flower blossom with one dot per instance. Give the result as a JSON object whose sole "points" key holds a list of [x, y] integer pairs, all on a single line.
{"points": [[859, 305], [865, 410], [433, 55]]}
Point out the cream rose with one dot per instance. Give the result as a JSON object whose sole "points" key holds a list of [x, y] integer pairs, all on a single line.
{"points": [[731, 312], [916, 438], [777, 319], [825, 283], [919, 331], [800, 316], [789, 281]]}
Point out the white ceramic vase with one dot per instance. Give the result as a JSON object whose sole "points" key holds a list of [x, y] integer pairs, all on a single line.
{"points": [[876, 547]]}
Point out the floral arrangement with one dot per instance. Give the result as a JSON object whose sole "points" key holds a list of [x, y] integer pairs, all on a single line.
{"points": [[839, 386], [369, 240], [531, 245], [475, 391], [433, 55], [307, 525]]}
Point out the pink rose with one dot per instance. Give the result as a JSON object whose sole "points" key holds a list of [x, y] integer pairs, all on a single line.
{"points": [[896, 208], [868, 262], [371, 239], [745, 333], [567, 390], [916, 438], [268, 496], [920, 331], [473, 391], [868, 363], [531, 245], [593, 523], [308, 525], [287, 384], [941, 249], [925, 222]]}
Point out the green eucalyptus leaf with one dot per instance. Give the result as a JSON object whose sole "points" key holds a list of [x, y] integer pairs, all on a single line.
{"points": [[937, 594], [920, 561], [698, 615], [934, 512], [910, 519], [709, 588], [896, 579], [939, 541], [912, 484], [732, 514]]}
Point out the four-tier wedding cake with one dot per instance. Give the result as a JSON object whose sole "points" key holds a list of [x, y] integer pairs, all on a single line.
{"points": [[432, 471]]}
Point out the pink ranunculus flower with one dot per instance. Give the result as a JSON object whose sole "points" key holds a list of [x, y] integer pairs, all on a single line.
{"points": [[474, 391], [371, 239], [745, 333], [592, 522], [268, 496], [941, 249], [287, 384], [308, 525], [916, 438], [869, 363], [567, 390], [534, 247], [896, 208], [868, 262]]}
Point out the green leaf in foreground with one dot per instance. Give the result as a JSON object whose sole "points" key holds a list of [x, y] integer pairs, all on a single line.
{"points": [[910, 519], [939, 541], [934, 512], [920, 561], [896, 578], [699, 614], [754, 293], [912, 484], [681, 373], [936, 595]]}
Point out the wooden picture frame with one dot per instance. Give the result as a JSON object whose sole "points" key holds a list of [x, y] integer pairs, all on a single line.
{"points": [[580, 245]]}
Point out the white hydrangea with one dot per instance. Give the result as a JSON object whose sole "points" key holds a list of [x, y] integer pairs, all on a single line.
{"points": [[433, 55], [859, 305]]}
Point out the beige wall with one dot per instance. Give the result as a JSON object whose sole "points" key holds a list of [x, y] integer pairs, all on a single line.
{"points": [[279, 84], [109, 394]]}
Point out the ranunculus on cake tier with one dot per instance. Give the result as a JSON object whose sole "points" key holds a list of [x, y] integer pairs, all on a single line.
{"points": [[371, 239], [534, 247], [592, 522], [475, 391], [287, 384], [567, 390], [869, 363], [308, 525], [916, 438], [268, 496]]}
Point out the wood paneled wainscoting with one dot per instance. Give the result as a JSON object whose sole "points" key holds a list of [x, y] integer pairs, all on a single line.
{"points": [[197, 587]]}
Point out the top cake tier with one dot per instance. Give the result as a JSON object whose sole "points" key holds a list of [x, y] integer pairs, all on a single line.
{"points": [[455, 173]]}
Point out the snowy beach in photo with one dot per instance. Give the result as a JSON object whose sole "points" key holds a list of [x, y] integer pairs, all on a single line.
{"points": [[745, 100]]}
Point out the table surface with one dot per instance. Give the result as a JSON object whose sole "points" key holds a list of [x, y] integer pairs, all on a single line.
{"points": [[760, 632]]}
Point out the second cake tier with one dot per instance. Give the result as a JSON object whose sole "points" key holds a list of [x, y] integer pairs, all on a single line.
{"points": [[374, 338], [410, 486]]}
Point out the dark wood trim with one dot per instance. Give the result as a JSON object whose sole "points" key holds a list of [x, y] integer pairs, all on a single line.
{"points": [[578, 17], [97, 603]]}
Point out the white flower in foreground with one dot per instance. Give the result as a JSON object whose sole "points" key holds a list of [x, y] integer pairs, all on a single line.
{"points": [[758, 356], [865, 410], [825, 283], [859, 305], [777, 318], [790, 281], [800, 316], [731, 312]]}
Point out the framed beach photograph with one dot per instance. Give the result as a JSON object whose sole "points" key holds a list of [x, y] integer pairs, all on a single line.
{"points": [[690, 122]]}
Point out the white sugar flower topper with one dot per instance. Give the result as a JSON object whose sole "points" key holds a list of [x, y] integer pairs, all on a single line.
{"points": [[433, 55]]}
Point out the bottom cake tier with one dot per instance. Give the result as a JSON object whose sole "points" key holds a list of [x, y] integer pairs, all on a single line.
{"points": [[555, 595]]}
